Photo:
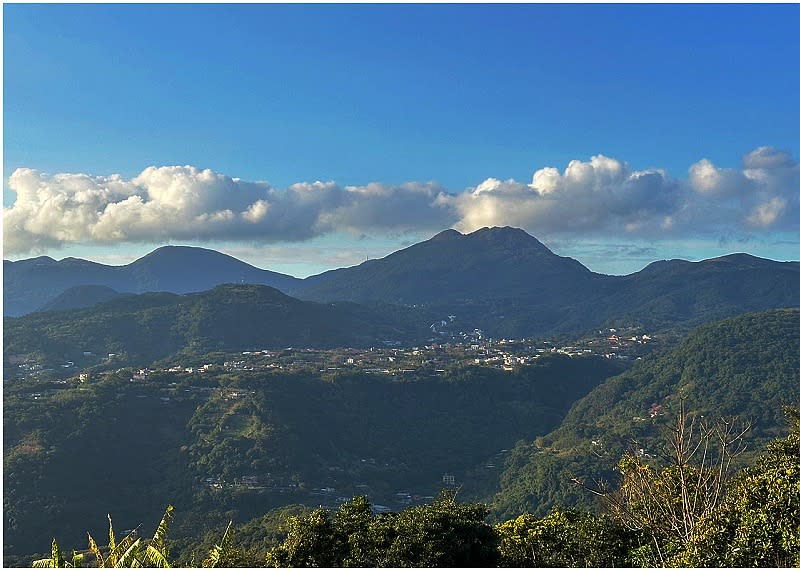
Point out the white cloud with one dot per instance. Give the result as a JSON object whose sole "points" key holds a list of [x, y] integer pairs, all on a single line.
{"points": [[707, 179], [186, 203], [764, 215], [380, 207], [768, 158], [763, 195], [600, 197]]}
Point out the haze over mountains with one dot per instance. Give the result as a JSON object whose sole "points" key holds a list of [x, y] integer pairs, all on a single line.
{"points": [[499, 279]]}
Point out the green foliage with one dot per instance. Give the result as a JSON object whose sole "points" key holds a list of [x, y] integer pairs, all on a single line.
{"points": [[666, 499], [130, 551], [249, 543], [152, 326], [133, 551], [296, 427], [284, 428], [51, 481], [312, 541], [443, 534], [564, 538], [302, 423], [746, 367], [218, 553], [56, 560], [758, 525]]}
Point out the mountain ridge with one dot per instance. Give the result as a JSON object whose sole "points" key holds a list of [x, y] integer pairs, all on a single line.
{"points": [[32, 283], [146, 327], [79, 297], [501, 279], [507, 261]]}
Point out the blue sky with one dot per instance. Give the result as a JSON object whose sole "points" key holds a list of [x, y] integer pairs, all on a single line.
{"points": [[404, 112]]}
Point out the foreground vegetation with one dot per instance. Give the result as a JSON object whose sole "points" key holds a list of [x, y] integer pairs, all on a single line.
{"points": [[682, 513]]}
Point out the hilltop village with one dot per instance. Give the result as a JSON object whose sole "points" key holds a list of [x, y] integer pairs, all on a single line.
{"points": [[198, 378], [505, 354], [474, 347]]}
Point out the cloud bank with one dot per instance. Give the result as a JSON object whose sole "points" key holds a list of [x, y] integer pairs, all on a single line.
{"points": [[601, 197]]}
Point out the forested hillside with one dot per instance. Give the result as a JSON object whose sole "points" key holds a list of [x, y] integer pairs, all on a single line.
{"points": [[143, 328], [79, 297], [237, 441], [250, 441], [746, 367], [679, 514]]}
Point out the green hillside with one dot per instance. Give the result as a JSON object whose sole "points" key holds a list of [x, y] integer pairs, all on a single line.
{"points": [[143, 328], [239, 443], [746, 367], [235, 443]]}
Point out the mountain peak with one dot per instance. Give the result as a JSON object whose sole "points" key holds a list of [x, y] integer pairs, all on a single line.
{"points": [[38, 261], [508, 235], [178, 258], [738, 258], [170, 251], [81, 296], [501, 231], [448, 234]]}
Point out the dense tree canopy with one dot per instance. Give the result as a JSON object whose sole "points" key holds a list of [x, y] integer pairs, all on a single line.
{"points": [[443, 534], [758, 524]]}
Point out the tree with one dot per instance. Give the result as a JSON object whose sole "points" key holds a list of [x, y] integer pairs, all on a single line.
{"points": [[131, 551], [665, 502], [758, 524], [365, 537], [445, 533], [312, 541], [57, 560], [564, 538], [442, 534], [218, 553]]}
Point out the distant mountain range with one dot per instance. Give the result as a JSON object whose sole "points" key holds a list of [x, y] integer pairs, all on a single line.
{"points": [[29, 285], [499, 279], [506, 281]]}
